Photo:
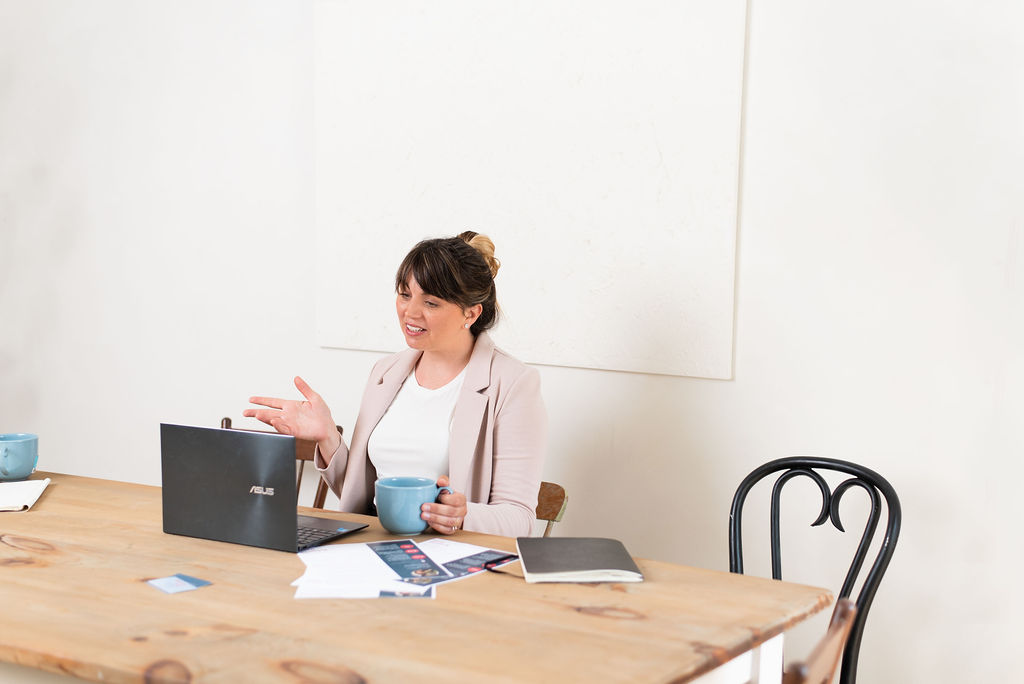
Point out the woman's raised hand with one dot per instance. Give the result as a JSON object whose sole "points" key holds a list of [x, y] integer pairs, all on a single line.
{"points": [[309, 419]]}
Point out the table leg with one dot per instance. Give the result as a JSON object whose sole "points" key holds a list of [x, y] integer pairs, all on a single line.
{"points": [[762, 665], [768, 664], [736, 671]]}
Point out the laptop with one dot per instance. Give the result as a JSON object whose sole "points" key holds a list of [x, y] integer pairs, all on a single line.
{"points": [[239, 487]]}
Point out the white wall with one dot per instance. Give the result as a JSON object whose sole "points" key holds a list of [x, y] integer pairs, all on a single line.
{"points": [[156, 232]]}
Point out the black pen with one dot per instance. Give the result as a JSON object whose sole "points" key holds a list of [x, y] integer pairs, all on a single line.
{"points": [[500, 560]]}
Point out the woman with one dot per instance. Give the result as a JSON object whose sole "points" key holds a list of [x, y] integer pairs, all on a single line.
{"points": [[452, 407]]}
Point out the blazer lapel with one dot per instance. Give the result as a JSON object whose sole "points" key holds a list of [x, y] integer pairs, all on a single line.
{"points": [[380, 396], [376, 400], [470, 414]]}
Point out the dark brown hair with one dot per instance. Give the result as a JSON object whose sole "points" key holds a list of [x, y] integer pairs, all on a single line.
{"points": [[460, 270]]}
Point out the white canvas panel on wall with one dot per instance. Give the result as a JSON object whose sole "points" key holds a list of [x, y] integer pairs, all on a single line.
{"points": [[596, 142]]}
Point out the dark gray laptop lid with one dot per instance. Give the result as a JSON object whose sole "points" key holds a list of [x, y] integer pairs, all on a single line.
{"points": [[233, 486], [229, 485]]}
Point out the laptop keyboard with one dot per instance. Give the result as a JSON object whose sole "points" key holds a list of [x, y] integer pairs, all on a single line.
{"points": [[311, 535]]}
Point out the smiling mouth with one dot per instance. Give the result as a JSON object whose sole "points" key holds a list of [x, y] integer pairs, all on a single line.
{"points": [[414, 329]]}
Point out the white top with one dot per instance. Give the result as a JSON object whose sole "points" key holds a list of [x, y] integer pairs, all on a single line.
{"points": [[412, 438]]}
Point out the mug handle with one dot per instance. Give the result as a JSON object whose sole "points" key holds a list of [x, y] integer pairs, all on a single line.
{"points": [[443, 489]]}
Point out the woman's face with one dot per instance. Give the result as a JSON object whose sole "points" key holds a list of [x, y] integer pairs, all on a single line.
{"points": [[430, 323]]}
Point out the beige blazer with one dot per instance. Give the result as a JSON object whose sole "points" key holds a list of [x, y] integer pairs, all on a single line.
{"points": [[497, 448]]}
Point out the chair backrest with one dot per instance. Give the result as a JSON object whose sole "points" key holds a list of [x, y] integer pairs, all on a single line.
{"points": [[304, 449], [551, 503], [876, 486], [820, 665]]}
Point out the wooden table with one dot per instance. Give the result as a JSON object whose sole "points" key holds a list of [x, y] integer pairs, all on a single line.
{"points": [[74, 599]]}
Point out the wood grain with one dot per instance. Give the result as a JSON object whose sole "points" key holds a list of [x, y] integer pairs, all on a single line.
{"points": [[73, 573]]}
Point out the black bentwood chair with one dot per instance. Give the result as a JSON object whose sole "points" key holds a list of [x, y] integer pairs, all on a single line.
{"points": [[876, 487]]}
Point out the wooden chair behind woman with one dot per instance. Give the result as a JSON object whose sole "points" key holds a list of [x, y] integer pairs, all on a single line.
{"points": [[551, 503]]}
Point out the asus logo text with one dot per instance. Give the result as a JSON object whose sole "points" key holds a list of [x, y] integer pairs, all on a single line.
{"points": [[265, 491]]}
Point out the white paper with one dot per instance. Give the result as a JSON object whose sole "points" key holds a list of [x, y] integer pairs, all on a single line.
{"points": [[354, 570], [316, 590], [20, 496], [443, 550], [347, 571]]}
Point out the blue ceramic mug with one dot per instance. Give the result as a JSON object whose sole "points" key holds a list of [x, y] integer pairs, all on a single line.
{"points": [[19, 453], [399, 500]]}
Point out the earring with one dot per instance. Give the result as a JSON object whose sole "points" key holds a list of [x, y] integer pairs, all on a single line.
{"points": [[467, 326]]}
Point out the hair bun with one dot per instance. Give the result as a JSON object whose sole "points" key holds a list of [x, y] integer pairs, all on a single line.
{"points": [[485, 246]]}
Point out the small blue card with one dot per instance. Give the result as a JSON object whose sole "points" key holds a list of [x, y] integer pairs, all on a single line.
{"points": [[177, 583]]}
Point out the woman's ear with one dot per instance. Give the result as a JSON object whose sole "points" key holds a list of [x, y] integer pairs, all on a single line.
{"points": [[473, 313]]}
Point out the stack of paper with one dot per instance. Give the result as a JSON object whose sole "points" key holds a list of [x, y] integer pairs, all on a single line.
{"points": [[19, 496], [395, 568]]}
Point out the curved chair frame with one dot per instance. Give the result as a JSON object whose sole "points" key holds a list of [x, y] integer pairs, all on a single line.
{"points": [[874, 484]]}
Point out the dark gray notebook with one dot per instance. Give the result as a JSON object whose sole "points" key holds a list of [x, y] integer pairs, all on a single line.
{"points": [[576, 559]]}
